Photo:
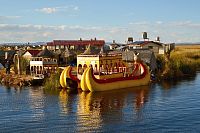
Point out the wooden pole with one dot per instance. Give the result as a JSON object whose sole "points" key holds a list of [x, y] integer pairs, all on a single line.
{"points": [[18, 65], [19, 62]]}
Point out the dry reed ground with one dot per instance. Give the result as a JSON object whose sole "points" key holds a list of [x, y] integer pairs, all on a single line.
{"points": [[184, 61]]}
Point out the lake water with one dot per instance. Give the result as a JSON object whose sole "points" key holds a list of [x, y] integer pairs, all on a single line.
{"points": [[164, 107]]}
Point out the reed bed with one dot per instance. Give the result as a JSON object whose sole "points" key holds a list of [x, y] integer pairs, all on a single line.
{"points": [[53, 81], [182, 62]]}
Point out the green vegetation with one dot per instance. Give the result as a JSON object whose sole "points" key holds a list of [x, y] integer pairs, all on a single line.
{"points": [[53, 81], [23, 65], [183, 61]]}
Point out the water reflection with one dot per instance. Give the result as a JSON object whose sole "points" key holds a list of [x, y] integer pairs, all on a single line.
{"points": [[99, 108], [168, 84], [67, 100], [141, 96], [161, 108], [15, 89], [36, 102], [51, 91], [63, 101], [87, 117], [8, 89]]}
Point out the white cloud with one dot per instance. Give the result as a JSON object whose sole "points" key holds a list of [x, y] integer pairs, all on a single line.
{"points": [[168, 32], [181, 23], [76, 8], [159, 22], [46, 34], [47, 10], [10, 17], [185, 24], [139, 23], [29, 33], [50, 10]]}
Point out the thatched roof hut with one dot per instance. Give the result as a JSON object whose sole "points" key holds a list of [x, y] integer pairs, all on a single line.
{"points": [[91, 50], [46, 53]]}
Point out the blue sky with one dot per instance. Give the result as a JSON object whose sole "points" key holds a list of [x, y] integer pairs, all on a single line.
{"points": [[46, 20]]}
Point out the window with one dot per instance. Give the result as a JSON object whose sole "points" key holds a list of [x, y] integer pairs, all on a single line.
{"points": [[57, 46], [62, 47], [150, 47]]}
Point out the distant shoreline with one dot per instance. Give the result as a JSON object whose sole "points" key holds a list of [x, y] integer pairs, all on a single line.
{"points": [[187, 44]]}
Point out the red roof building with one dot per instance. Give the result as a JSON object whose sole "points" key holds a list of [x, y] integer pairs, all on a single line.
{"points": [[34, 52], [31, 53], [74, 44]]}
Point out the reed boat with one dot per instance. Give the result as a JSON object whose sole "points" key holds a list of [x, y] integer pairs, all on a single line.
{"points": [[67, 80], [90, 83], [103, 71]]}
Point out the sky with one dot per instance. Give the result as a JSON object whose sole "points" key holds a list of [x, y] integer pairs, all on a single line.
{"points": [[174, 21]]}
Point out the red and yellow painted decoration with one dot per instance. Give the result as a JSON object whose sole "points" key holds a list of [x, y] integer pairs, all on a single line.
{"points": [[90, 83], [101, 64], [106, 72]]}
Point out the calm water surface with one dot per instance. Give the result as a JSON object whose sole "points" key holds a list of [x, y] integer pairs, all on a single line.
{"points": [[164, 107]]}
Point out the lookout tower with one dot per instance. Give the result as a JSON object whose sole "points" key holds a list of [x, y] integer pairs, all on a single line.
{"points": [[144, 35], [158, 39], [130, 40]]}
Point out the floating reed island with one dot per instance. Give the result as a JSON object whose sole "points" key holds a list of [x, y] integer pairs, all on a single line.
{"points": [[13, 79], [180, 63], [184, 61]]}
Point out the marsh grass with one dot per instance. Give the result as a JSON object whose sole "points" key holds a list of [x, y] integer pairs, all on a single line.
{"points": [[183, 61], [52, 82]]}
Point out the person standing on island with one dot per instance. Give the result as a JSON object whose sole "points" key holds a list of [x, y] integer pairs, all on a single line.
{"points": [[7, 66]]}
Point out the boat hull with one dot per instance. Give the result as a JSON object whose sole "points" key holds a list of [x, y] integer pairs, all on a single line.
{"points": [[63, 76], [67, 80], [92, 84]]}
